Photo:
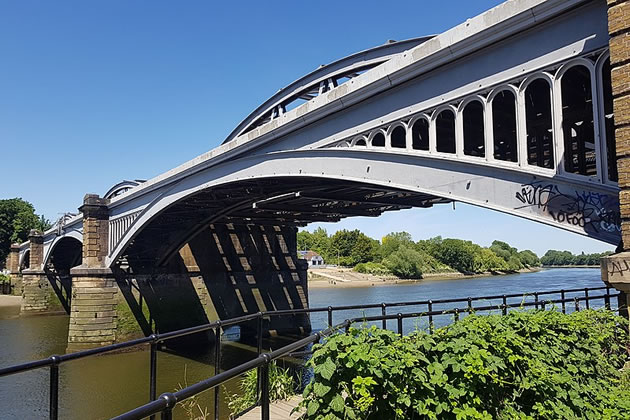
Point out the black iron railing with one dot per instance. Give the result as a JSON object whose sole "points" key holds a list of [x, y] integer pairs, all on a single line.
{"points": [[167, 401]]}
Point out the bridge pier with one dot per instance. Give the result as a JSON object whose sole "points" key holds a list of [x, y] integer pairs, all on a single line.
{"points": [[94, 289], [13, 265], [37, 294], [616, 268]]}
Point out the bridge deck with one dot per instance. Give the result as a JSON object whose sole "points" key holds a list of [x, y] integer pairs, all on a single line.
{"points": [[279, 410]]}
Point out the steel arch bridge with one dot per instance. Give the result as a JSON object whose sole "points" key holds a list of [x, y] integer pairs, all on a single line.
{"points": [[511, 111]]}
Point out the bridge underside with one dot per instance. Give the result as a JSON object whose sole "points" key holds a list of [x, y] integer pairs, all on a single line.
{"points": [[232, 250]]}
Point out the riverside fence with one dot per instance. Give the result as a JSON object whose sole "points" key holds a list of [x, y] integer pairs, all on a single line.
{"points": [[436, 312]]}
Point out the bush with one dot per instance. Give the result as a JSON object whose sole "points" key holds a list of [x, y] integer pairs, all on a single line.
{"points": [[4, 278], [405, 263], [525, 365], [375, 269]]}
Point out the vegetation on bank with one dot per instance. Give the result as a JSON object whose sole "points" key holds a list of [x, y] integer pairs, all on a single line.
{"points": [[397, 254], [525, 365], [17, 218], [557, 258]]}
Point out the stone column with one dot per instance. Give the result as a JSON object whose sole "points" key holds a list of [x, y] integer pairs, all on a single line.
{"points": [[36, 292], [94, 289], [13, 265], [616, 268]]}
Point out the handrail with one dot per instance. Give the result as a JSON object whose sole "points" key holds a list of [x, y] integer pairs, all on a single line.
{"points": [[167, 401]]}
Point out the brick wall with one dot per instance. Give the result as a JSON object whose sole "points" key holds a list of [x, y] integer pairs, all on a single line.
{"points": [[619, 29]]}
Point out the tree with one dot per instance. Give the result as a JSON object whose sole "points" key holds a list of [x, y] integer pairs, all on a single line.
{"points": [[392, 241], [405, 263], [17, 218], [529, 258], [352, 247], [458, 254]]}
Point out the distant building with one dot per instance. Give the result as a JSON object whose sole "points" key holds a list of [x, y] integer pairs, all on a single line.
{"points": [[314, 259]]}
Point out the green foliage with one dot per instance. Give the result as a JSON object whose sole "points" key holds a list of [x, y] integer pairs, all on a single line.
{"points": [[525, 365], [458, 254], [281, 387], [398, 254], [554, 257], [4, 278], [405, 263], [392, 241], [353, 247], [17, 218], [376, 269], [192, 406]]}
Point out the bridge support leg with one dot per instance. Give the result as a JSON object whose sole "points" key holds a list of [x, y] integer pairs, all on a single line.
{"points": [[37, 294], [13, 265], [94, 289]]}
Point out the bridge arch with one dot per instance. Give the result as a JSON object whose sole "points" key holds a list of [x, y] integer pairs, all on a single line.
{"points": [[378, 138], [25, 260], [444, 129], [420, 129], [472, 127], [71, 234], [359, 141], [502, 125], [517, 193], [397, 136]]}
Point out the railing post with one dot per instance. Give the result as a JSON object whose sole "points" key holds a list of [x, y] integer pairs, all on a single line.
{"points": [[330, 316], [217, 367], [259, 348], [167, 413], [456, 315], [153, 371], [564, 306], [54, 388], [504, 306], [384, 313], [536, 300], [400, 323], [430, 308], [607, 298], [264, 402], [470, 307], [577, 304], [588, 306]]}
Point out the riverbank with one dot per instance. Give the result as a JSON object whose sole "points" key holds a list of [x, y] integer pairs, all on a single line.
{"points": [[337, 277], [10, 306]]}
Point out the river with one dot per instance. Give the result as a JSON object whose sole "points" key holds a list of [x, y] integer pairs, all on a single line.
{"points": [[103, 386]]}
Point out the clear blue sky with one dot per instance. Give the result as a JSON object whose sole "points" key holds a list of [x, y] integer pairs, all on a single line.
{"points": [[93, 92]]}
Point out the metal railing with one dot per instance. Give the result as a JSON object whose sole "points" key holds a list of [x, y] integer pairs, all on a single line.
{"points": [[167, 401]]}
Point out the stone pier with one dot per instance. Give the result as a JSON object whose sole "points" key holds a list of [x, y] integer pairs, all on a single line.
{"points": [[13, 265], [94, 289], [37, 295]]}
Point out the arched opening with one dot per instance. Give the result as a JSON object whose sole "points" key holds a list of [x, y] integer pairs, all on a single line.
{"points": [[504, 126], [474, 137], [378, 140], [445, 131], [420, 134], [360, 142], [26, 261], [609, 122], [399, 137], [67, 253], [577, 122], [538, 122]]}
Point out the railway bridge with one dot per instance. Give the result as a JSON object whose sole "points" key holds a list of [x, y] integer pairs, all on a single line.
{"points": [[522, 110]]}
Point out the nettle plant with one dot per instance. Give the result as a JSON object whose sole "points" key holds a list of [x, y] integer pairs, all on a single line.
{"points": [[525, 365]]}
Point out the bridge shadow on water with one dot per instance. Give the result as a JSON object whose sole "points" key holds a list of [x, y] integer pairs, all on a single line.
{"points": [[224, 272]]}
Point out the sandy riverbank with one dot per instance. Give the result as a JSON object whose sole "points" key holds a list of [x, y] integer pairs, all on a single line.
{"points": [[332, 277], [10, 306]]}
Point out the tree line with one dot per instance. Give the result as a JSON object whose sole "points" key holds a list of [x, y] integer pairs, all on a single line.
{"points": [[556, 258], [399, 255], [17, 218]]}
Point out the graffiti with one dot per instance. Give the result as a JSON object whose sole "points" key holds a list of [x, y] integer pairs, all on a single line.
{"points": [[594, 212], [618, 267]]}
